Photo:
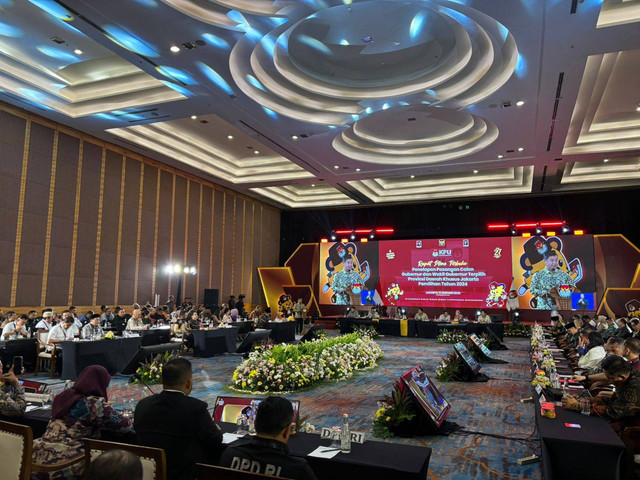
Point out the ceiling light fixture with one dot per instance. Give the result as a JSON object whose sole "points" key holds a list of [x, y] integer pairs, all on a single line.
{"points": [[500, 156], [357, 169], [256, 152], [637, 109], [519, 103], [294, 137], [229, 137], [413, 176], [313, 184], [606, 160], [475, 171], [174, 49], [77, 51], [193, 117], [336, 167], [520, 149]]}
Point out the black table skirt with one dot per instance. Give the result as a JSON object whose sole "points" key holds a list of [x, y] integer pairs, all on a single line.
{"points": [[154, 336], [207, 343], [384, 326], [432, 329], [282, 332], [371, 460], [111, 354], [596, 443], [23, 347]]}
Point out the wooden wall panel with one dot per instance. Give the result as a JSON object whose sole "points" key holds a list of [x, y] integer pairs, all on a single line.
{"points": [[12, 140], [191, 238], [59, 268], [95, 224], [87, 224], [164, 233], [204, 281], [34, 220], [146, 272], [129, 233]]}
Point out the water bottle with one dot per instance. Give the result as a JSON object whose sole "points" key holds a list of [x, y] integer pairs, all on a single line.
{"points": [[345, 435], [252, 416]]}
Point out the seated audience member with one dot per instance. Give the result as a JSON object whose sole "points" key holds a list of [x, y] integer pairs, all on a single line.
{"points": [[458, 317], [400, 314], [596, 378], [10, 317], [31, 320], [15, 329], [107, 316], [12, 402], [135, 322], [115, 465], [352, 313], [421, 316], [46, 322], [84, 319], [635, 327], [611, 328], [375, 313], [623, 330], [570, 339], [623, 407], [178, 423], [444, 317], [267, 452], [264, 318], [77, 413], [61, 332], [632, 352], [583, 340], [119, 320], [93, 330], [601, 324], [483, 317], [594, 352]]}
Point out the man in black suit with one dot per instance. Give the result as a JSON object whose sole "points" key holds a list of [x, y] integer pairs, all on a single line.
{"points": [[178, 423], [267, 452]]}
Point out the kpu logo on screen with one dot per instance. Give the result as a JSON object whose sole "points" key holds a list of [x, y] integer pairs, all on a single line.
{"points": [[441, 252]]}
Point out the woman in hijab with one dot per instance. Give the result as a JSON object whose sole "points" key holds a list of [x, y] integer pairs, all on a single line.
{"points": [[77, 413]]}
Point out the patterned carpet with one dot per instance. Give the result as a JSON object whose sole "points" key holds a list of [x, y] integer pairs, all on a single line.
{"points": [[493, 407]]}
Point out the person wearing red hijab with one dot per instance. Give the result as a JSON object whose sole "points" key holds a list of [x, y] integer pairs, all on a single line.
{"points": [[77, 413]]}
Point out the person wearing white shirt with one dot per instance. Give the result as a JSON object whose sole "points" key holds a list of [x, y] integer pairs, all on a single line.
{"points": [[421, 316], [15, 329], [135, 322], [61, 332], [483, 317], [444, 317], [46, 323], [93, 330], [595, 353]]}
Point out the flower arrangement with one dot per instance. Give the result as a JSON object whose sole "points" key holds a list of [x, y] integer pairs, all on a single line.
{"points": [[541, 379], [517, 330], [151, 371], [368, 330], [285, 368], [394, 410], [449, 369], [446, 336], [109, 336]]}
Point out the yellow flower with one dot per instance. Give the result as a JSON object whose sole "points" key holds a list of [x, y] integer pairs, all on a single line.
{"points": [[259, 383], [380, 412], [244, 384], [281, 387], [388, 419]]}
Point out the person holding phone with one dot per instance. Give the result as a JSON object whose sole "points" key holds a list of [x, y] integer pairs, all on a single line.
{"points": [[12, 402]]}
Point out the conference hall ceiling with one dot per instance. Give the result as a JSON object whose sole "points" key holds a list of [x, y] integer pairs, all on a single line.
{"points": [[321, 103]]}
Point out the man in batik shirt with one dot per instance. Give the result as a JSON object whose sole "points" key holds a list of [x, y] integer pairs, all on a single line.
{"points": [[343, 280], [549, 278], [12, 401]]}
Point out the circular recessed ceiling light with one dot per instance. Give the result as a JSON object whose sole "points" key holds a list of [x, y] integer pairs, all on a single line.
{"points": [[500, 156], [294, 137], [174, 49], [230, 137], [413, 176], [475, 171], [357, 169], [336, 167], [256, 152], [77, 51], [637, 109], [313, 184], [519, 103], [520, 149], [193, 117], [605, 160]]}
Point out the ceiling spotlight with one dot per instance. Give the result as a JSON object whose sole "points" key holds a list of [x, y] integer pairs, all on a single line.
{"points": [[520, 149], [371, 236], [336, 167], [174, 49], [565, 229], [229, 137], [357, 169], [352, 237], [475, 171], [294, 137], [256, 152], [637, 109], [193, 117], [519, 103], [333, 237], [500, 156], [538, 231], [313, 184], [513, 231], [77, 51], [413, 176], [606, 160]]}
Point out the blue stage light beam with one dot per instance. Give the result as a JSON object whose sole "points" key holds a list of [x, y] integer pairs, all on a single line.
{"points": [[176, 74], [216, 78], [54, 9], [315, 44], [215, 40], [130, 42]]}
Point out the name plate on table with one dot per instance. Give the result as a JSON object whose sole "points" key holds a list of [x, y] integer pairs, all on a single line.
{"points": [[538, 389], [331, 434]]}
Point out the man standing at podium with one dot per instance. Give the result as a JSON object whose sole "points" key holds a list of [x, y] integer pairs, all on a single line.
{"points": [[544, 283], [344, 280]]}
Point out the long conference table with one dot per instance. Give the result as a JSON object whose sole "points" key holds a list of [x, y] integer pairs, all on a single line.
{"points": [[207, 343], [371, 460], [417, 328], [112, 354]]}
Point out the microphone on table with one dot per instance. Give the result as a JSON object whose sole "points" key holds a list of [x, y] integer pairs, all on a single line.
{"points": [[138, 377]]}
